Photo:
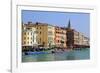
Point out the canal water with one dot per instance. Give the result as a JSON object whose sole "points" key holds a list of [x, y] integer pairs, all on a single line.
{"points": [[69, 55]]}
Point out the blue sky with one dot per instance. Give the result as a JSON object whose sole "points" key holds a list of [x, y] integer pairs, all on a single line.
{"points": [[79, 21]]}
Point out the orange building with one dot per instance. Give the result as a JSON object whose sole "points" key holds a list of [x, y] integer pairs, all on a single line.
{"points": [[45, 33], [60, 37]]}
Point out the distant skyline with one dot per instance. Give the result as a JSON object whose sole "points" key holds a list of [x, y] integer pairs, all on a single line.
{"points": [[79, 21]]}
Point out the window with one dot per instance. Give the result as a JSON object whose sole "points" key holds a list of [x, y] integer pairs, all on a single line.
{"points": [[28, 33], [62, 38], [28, 28], [31, 38], [24, 33], [24, 42], [27, 37], [31, 33], [50, 32], [31, 42], [40, 32], [58, 41]]}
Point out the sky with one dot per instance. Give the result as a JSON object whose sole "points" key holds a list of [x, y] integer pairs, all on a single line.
{"points": [[79, 21]]}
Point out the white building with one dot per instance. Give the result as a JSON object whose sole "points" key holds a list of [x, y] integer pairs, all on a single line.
{"points": [[29, 37]]}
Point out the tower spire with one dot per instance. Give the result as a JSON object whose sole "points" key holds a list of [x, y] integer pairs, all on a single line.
{"points": [[69, 25]]}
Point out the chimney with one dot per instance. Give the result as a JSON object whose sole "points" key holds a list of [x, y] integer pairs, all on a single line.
{"points": [[29, 22]]}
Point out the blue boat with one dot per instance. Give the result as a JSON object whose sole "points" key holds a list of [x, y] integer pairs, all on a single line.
{"points": [[33, 53]]}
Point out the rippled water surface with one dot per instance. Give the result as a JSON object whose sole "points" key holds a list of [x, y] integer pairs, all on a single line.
{"points": [[70, 55]]}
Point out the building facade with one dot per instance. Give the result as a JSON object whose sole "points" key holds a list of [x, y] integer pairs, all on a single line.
{"points": [[28, 38], [76, 39], [60, 37], [51, 36], [45, 33]]}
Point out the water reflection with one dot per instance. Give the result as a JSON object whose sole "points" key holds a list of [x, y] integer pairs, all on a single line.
{"points": [[71, 55]]}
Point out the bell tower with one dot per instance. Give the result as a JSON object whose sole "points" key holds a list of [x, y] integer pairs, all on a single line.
{"points": [[69, 25]]}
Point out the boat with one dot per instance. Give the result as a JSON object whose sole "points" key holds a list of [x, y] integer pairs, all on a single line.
{"points": [[33, 53]]}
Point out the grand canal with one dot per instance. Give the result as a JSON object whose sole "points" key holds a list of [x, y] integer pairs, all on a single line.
{"points": [[83, 54]]}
